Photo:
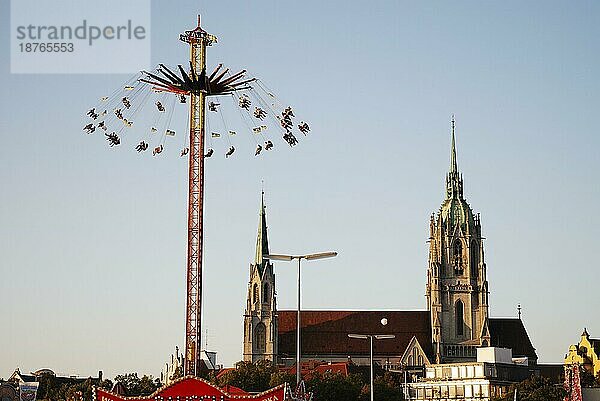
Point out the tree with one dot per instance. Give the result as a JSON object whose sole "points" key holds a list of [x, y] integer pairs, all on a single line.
{"points": [[388, 387], [535, 389], [54, 388], [136, 386], [251, 377], [79, 391], [106, 384], [47, 387], [587, 379], [282, 376], [335, 386], [51, 388]]}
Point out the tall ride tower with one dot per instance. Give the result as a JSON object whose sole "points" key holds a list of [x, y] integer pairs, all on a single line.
{"points": [[198, 39], [195, 85], [457, 288]]}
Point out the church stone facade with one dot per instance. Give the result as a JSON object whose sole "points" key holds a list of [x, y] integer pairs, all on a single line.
{"points": [[450, 330], [457, 288], [260, 316]]}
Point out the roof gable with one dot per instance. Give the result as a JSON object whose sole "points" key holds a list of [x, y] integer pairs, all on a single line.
{"points": [[511, 333], [413, 346]]}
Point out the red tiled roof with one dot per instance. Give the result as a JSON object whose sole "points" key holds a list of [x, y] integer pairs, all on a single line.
{"points": [[308, 368], [326, 332], [510, 333], [223, 371], [339, 367]]}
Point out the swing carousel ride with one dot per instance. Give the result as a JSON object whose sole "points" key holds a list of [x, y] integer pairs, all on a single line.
{"points": [[142, 114]]}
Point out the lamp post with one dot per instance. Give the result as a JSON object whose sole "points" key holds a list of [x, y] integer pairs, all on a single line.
{"points": [[289, 258], [371, 337]]}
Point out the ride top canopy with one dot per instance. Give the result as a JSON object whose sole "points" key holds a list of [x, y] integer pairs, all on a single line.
{"points": [[195, 389]]}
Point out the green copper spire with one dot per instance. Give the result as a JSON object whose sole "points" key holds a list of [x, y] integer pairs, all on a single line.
{"points": [[454, 208], [453, 179], [453, 165], [262, 240]]}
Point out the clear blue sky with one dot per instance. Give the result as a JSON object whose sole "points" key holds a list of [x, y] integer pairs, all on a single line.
{"points": [[92, 241]]}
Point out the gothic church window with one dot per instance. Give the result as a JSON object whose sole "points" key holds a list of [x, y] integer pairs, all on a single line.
{"points": [[266, 294], [473, 259], [458, 313], [415, 358], [260, 339], [457, 259]]}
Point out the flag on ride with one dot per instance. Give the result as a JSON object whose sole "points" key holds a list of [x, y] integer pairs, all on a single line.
{"points": [[28, 391]]}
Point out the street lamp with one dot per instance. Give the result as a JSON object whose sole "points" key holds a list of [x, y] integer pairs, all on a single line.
{"points": [[289, 258], [371, 337]]}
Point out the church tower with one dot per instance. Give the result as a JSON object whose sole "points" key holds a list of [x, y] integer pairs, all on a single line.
{"points": [[457, 288], [260, 317]]}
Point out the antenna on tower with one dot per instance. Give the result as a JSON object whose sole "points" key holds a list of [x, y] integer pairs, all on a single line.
{"points": [[519, 310]]}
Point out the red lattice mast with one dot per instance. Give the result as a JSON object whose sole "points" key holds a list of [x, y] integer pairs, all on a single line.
{"points": [[197, 85], [198, 40]]}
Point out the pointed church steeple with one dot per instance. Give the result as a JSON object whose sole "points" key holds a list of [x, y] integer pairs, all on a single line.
{"points": [[260, 317], [454, 183], [262, 240], [457, 288], [453, 164]]}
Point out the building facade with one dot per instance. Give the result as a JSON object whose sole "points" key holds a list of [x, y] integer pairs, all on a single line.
{"points": [[484, 380], [457, 287], [586, 354], [453, 326], [260, 316]]}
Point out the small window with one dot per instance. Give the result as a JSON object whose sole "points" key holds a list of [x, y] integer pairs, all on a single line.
{"points": [[255, 293], [458, 312], [457, 248]]}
